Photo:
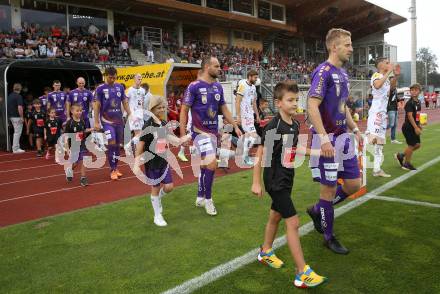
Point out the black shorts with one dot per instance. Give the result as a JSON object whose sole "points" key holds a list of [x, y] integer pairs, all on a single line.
{"points": [[52, 140], [38, 132], [282, 202], [411, 137]]}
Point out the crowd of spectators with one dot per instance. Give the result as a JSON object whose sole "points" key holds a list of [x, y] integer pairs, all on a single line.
{"points": [[92, 45], [236, 60]]}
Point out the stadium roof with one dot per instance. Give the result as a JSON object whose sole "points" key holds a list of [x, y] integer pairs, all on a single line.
{"points": [[307, 18], [360, 17]]}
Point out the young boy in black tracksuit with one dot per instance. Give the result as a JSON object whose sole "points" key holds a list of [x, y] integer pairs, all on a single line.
{"points": [[411, 128], [278, 155]]}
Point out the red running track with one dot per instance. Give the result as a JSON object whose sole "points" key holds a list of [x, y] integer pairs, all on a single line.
{"points": [[32, 188]]}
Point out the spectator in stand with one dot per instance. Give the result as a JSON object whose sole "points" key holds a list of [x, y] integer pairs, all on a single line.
{"points": [[124, 47], [29, 52], [19, 51], [2, 51], [42, 48], [59, 52], [9, 51], [51, 51], [56, 32], [16, 116], [104, 54], [150, 52]]}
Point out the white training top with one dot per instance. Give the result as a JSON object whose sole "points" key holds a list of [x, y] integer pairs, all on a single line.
{"points": [[136, 101], [380, 96], [249, 94]]}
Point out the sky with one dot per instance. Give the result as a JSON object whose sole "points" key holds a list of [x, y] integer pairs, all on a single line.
{"points": [[427, 26]]}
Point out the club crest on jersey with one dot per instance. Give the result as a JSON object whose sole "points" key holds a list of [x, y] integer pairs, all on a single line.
{"points": [[85, 98], [217, 97], [204, 99], [118, 94]]}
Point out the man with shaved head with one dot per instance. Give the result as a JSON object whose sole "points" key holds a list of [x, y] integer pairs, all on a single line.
{"points": [[82, 96], [204, 99]]}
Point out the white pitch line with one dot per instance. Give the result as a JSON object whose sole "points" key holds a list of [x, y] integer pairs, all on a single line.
{"points": [[237, 263], [406, 201]]}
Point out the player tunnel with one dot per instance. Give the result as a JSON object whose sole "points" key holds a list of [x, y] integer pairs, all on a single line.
{"points": [[34, 75]]}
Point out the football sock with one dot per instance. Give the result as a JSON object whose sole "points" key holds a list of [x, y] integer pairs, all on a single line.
{"points": [[201, 191], [378, 157], [209, 179], [325, 209], [157, 205], [340, 195], [111, 156]]}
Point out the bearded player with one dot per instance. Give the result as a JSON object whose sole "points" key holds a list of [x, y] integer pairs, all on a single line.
{"points": [[107, 108], [246, 107], [205, 99]]}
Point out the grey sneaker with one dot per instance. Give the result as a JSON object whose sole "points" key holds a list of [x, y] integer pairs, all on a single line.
{"points": [[382, 174]]}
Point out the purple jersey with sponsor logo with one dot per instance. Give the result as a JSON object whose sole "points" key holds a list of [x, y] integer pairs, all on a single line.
{"points": [[58, 100], [331, 85], [110, 97], [205, 101], [83, 97], [43, 100]]}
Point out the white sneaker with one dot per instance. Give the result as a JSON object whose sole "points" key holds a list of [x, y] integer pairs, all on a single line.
{"points": [[381, 173], [18, 151], [200, 202], [182, 157], [210, 208], [159, 221], [396, 142]]}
